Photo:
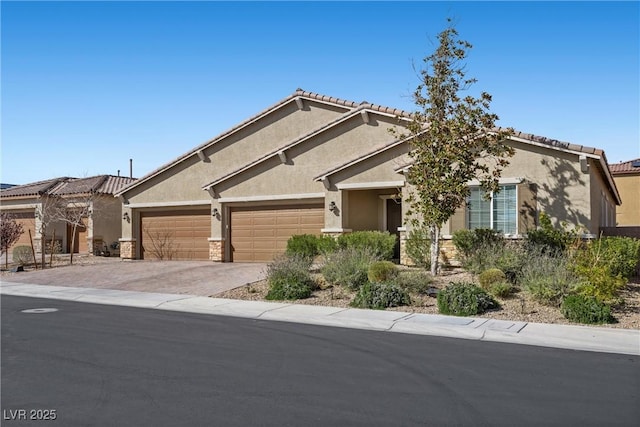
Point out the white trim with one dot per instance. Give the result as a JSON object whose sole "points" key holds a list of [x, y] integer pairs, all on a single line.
{"points": [[4, 207], [335, 230], [216, 239], [501, 181], [402, 229], [370, 185], [272, 197], [169, 204], [127, 239]]}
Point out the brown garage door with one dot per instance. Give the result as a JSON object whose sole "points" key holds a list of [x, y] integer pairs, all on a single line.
{"points": [[175, 235], [27, 219], [260, 234]]}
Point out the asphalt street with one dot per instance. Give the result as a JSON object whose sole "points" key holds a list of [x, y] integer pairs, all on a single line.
{"points": [[95, 365]]}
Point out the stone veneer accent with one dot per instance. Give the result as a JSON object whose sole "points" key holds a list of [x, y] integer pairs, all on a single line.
{"points": [[448, 253], [127, 248], [216, 250]]}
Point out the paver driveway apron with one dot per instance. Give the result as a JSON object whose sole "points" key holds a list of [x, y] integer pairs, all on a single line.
{"points": [[203, 278]]}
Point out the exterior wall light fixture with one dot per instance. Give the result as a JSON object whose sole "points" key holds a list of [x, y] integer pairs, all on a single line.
{"points": [[126, 217], [215, 212], [332, 206]]}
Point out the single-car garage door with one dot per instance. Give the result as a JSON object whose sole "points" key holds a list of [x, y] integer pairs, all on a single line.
{"points": [[260, 234], [175, 235], [28, 222]]}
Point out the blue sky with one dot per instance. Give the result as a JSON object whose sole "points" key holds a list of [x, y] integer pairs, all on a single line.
{"points": [[88, 85]]}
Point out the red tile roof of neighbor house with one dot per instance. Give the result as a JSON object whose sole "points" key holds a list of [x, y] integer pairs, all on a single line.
{"points": [[62, 186], [624, 168]]}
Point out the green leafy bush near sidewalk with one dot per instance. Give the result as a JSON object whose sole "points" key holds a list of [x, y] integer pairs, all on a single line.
{"points": [[584, 309], [289, 278], [464, 299], [380, 296]]}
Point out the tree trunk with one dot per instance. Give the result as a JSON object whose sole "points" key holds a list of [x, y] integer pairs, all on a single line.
{"points": [[73, 243], [6, 259], [33, 251], [53, 243], [435, 248], [43, 245]]}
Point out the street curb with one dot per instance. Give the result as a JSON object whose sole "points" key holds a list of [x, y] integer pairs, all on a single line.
{"points": [[584, 338]]}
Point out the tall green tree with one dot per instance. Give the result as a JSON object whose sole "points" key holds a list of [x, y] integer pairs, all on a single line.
{"points": [[453, 137]]}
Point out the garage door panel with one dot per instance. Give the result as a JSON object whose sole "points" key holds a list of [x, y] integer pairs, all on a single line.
{"points": [[177, 235], [261, 234]]}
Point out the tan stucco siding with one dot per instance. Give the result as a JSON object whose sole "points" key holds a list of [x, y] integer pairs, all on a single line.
{"points": [[562, 189], [183, 182], [306, 161], [106, 219], [603, 206], [628, 213], [379, 168]]}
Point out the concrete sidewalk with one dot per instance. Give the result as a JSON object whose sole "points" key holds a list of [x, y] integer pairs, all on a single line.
{"points": [[623, 341]]}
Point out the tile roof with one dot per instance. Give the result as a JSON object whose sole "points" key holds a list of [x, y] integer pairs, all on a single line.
{"points": [[623, 168], [102, 184], [32, 188]]}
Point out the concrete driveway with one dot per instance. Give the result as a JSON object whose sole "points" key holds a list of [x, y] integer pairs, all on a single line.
{"points": [[202, 278]]}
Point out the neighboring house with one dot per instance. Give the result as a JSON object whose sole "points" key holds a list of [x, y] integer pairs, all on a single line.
{"points": [[627, 178], [31, 203], [322, 165]]}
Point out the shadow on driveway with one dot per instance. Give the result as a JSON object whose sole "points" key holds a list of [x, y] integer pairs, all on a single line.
{"points": [[202, 278]]}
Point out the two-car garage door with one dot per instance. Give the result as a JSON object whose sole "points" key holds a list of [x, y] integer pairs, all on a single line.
{"points": [[259, 234]]}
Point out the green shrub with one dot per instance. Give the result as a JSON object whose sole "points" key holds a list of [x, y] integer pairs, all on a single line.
{"points": [[604, 265], [379, 243], [349, 267], [23, 255], [289, 278], [598, 281], [482, 248], [490, 277], [380, 296], [309, 245], [469, 241], [464, 299], [583, 309], [418, 247], [382, 271], [500, 290], [415, 281], [621, 254], [550, 239], [548, 277], [327, 245]]}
